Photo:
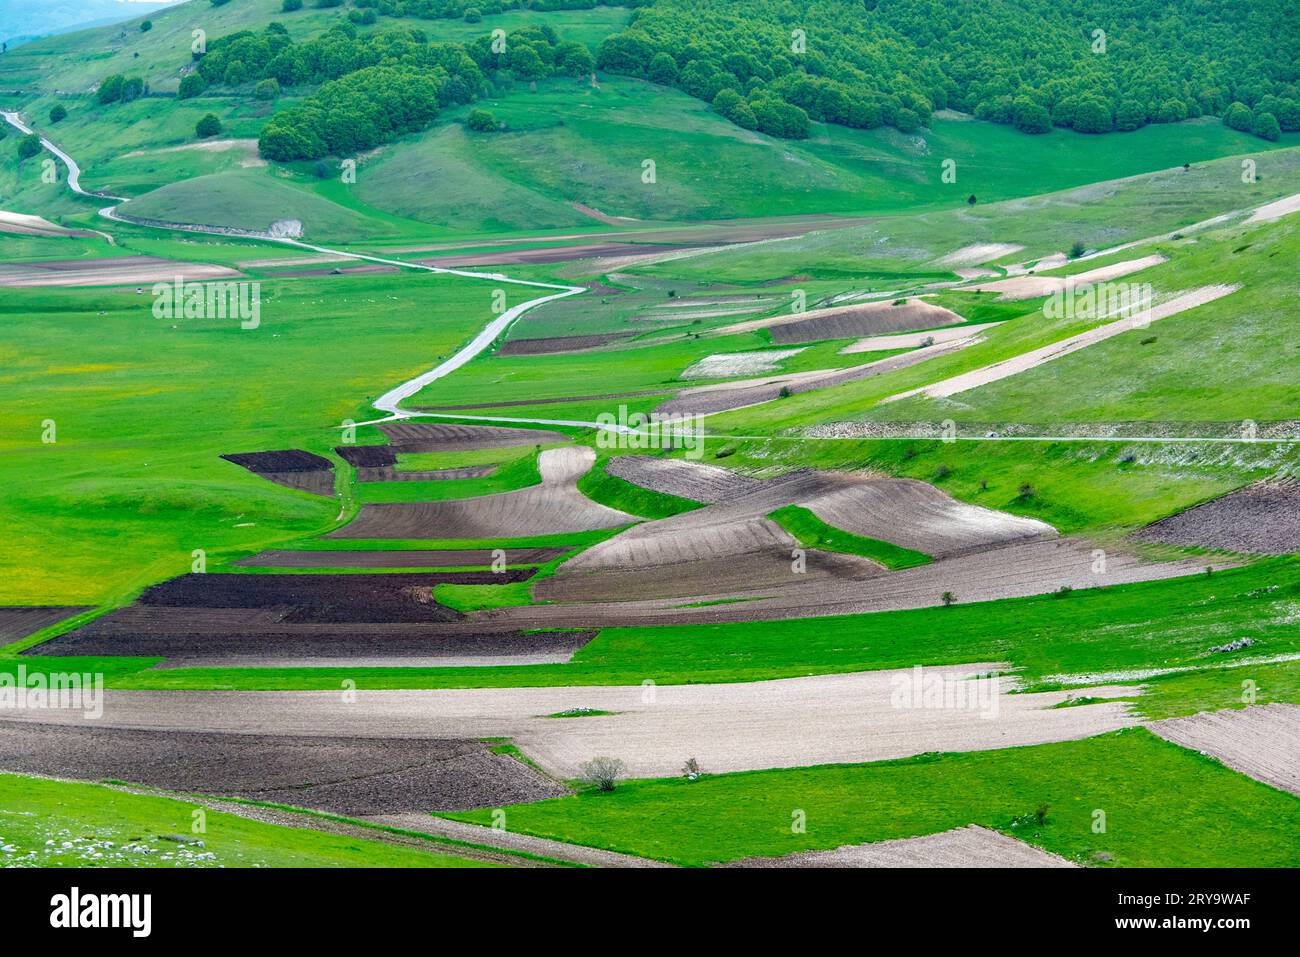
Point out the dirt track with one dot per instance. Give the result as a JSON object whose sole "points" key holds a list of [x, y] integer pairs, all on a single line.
{"points": [[729, 727], [971, 846], [1261, 741]]}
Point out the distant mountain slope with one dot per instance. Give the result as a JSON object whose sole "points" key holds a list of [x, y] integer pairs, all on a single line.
{"points": [[22, 20]]}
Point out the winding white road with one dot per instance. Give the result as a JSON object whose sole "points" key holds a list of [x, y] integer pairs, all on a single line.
{"points": [[390, 401]]}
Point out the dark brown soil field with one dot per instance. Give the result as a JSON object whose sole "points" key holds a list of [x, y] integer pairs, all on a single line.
{"points": [[1263, 518], [447, 437], [388, 597], [19, 621], [368, 456], [292, 468], [195, 634], [431, 558], [541, 347], [425, 475], [342, 775]]}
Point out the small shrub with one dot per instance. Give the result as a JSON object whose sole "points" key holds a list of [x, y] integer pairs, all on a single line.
{"points": [[473, 15], [289, 6], [1040, 814], [208, 126], [481, 121], [146, 26], [57, 112], [942, 472], [691, 770], [1063, 592], [1027, 491], [268, 89], [785, 392], [1077, 250], [603, 773], [948, 598]]}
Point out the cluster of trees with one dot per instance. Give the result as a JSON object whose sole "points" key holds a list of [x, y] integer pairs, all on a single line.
{"points": [[121, 89], [474, 10], [371, 88], [1091, 65], [356, 112]]}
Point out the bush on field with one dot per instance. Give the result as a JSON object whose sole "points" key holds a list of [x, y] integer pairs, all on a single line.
{"points": [[57, 112], [192, 84], [481, 121], [208, 126], [603, 773]]}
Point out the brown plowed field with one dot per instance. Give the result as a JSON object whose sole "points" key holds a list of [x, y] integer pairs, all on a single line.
{"points": [[415, 558], [553, 507], [1263, 518], [425, 475], [1034, 567], [737, 395], [732, 546], [740, 726], [193, 635], [692, 480], [724, 546], [971, 846], [113, 271], [19, 621], [394, 596], [851, 322], [410, 436], [343, 775], [368, 456], [916, 515], [292, 468], [1262, 741], [543, 347]]}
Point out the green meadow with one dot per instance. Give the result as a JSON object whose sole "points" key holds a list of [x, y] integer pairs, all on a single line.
{"points": [[1218, 818]]}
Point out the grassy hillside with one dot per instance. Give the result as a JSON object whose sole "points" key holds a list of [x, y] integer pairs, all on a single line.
{"points": [[134, 481]]}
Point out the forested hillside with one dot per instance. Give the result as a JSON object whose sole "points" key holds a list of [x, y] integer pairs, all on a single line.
{"points": [[1093, 65]]}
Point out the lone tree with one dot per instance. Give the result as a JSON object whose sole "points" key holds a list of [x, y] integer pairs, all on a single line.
{"points": [[208, 126], [57, 112], [604, 773], [971, 200]]}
